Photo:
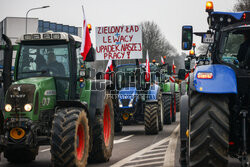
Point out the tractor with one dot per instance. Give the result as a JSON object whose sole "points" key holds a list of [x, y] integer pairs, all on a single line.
{"points": [[52, 100], [214, 113], [169, 91], [136, 99]]}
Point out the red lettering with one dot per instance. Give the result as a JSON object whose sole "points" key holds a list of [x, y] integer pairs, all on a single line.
{"points": [[131, 37], [103, 39], [128, 53], [136, 28], [109, 39]]}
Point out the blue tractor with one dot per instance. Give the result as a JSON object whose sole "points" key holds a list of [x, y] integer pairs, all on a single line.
{"points": [[215, 115], [137, 100]]}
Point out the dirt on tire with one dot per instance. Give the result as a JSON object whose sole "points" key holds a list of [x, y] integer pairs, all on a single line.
{"points": [[69, 125]]}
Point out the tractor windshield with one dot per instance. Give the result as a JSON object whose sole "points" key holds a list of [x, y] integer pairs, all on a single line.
{"points": [[125, 76], [43, 60], [235, 48]]}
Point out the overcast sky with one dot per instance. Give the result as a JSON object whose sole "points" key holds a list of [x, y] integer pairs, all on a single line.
{"points": [[170, 15]]}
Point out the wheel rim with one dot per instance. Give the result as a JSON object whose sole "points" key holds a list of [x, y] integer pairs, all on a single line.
{"points": [[80, 142], [106, 125]]}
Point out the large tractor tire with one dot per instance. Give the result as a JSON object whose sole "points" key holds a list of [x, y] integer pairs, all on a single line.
{"points": [[103, 133], [177, 95], [160, 115], [70, 138], [209, 130], [21, 155], [184, 109], [118, 126], [167, 114], [173, 108], [151, 121]]}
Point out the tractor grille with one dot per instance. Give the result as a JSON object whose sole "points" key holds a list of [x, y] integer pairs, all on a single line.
{"points": [[20, 94], [125, 102]]}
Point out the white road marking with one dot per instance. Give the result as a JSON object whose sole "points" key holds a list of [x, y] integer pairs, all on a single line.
{"points": [[122, 140], [140, 153], [169, 159], [48, 149]]}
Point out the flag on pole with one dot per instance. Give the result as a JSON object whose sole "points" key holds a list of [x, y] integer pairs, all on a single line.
{"points": [[86, 41], [109, 68], [147, 76], [173, 67], [162, 60]]}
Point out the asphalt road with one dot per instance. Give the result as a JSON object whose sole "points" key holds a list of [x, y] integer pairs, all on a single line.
{"points": [[132, 148]]}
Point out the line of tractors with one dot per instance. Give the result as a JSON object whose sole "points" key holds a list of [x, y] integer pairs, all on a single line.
{"points": [[50, 96]]}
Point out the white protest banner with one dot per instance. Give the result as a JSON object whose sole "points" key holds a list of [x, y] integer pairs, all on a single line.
{"points": [[119, 42]]}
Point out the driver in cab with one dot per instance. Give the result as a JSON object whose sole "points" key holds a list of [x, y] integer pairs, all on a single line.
{"points": [[56, 67], [244, 51]]}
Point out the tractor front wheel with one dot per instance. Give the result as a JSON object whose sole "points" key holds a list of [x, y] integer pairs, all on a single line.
{"points": [[209, 130], [151, 120], [70, 138]]}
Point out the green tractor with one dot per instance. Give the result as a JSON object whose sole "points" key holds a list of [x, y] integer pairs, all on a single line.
{"points": [[54, 100], [170, 91]]}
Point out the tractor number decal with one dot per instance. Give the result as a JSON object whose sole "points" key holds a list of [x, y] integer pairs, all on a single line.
{"points": [[46, 101]]}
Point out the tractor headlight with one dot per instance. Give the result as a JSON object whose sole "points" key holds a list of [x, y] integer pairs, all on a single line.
{"points": [[27, 107], [8, 107], [120, 103], [131, 103]]}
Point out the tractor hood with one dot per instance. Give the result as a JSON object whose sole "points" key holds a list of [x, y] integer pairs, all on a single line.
{"points": [[127, 93], [39, 92]]}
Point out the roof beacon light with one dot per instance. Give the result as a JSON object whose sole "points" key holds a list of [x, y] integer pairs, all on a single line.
{"points": [[89, 26], [191, 52], [209, 6]]}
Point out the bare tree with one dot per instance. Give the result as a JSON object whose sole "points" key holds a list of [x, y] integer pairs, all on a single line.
{"points": [[242, 5], [154, 42]]}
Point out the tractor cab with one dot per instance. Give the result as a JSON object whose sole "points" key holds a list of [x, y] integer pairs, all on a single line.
{"points": [[50, 57], [128, 85]]}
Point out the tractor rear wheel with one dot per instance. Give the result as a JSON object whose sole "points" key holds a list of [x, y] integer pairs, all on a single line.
{"points": [[103, 133], [173, 108], [151, 120], [70, 138], [177, 95], [209, 130], [167, 114], [160, 115], [184, 109], [21, 155]]}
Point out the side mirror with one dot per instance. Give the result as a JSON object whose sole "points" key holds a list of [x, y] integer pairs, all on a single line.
{"points": [[181, 74], [91, 55], [187, 37]]}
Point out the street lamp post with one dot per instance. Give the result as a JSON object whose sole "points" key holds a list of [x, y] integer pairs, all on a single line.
{"points": [[26, 19]]}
